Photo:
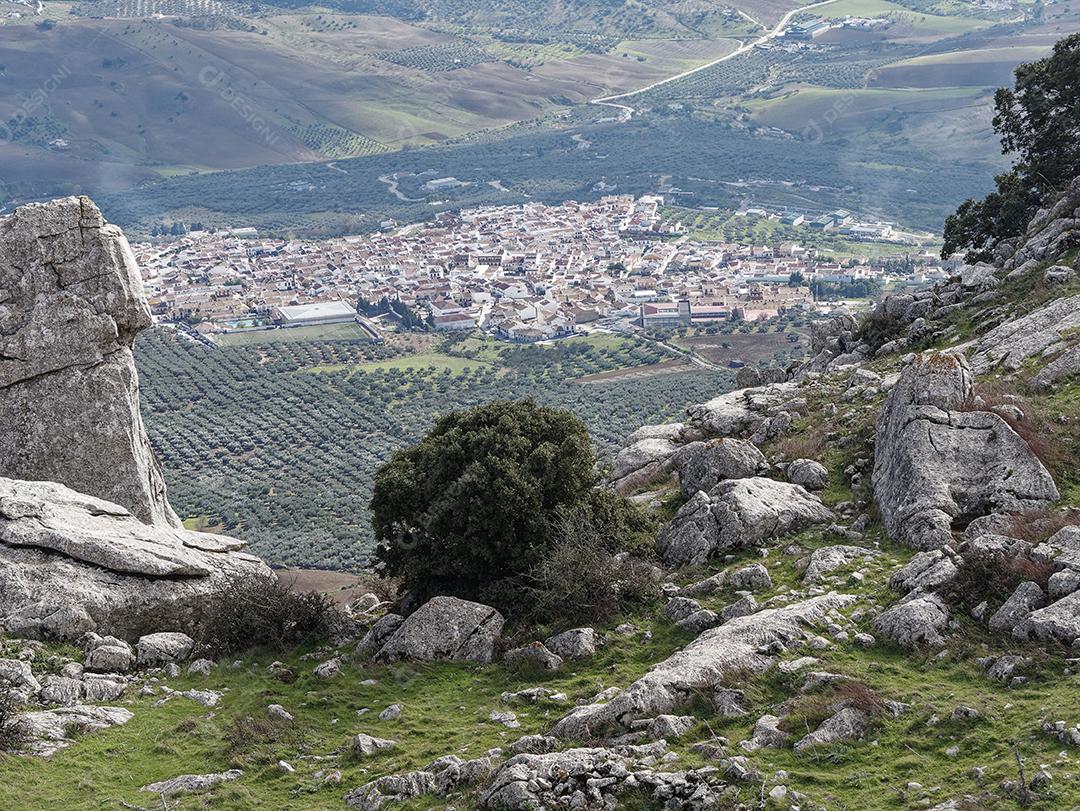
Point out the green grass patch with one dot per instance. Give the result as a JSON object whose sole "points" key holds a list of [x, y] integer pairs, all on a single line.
{"points": [[326, 332]]}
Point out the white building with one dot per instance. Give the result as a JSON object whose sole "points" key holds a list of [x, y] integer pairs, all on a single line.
{"points": [[306, 315]]}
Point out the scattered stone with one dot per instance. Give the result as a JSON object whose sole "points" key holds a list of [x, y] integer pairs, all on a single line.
{"points": [[279, 712], [192, 783], [367, 745], [163, 648], [577, 643], [392, 712], [49, 731], [201, 667], [329, 669], [808, 473], [830, 558], [534, 655]]}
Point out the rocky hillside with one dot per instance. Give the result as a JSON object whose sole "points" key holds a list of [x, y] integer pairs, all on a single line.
{"points": [[871, 600]]}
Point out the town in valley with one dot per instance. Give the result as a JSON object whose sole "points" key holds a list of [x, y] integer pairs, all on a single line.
{"points": [[522, 273]]}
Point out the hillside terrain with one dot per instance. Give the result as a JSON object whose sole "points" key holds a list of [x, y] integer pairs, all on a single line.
{"points": [[878, 610], [330, 119]]}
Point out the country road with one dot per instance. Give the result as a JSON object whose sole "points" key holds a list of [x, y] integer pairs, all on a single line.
{"points": [[626, 111]]}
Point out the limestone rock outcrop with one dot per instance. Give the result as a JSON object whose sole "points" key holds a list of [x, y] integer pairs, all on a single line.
{"points": [[939, 465], [71, 303], [1041, 332], [735, 514], [88, 541], [718, 653], [445, 628], [702, 464], [71, 563]]}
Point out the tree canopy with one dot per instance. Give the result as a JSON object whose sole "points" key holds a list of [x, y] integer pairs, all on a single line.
{"points": [[1039, 122], [469, 510]]}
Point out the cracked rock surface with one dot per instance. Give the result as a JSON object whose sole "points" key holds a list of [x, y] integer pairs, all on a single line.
{"points": [[939, 464], [71, 304]]}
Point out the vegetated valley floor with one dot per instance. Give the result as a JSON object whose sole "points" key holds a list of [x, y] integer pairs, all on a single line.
{"points": [[277, 442]]}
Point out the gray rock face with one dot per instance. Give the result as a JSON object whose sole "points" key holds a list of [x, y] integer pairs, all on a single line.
{"points": [[936, 465], [639, 462], [846, 725], [926, 571], [920, 619], [162, 648], [445, 628], [577, 643], [69, 392], [71, 563], [49, 730], [699, 667], [740, 412], [109, 655], [702, 464], [1058, 621], [17, 676], [735, 514], [808, 473], [192, 783], [1040, 332], [1021, 603]]}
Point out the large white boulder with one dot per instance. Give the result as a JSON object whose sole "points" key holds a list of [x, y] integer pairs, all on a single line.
{"points": [[938, 464], [445, 628], [735, 514]]}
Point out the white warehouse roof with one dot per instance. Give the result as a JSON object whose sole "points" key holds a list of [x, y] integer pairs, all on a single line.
{"points": [[320, 311]]}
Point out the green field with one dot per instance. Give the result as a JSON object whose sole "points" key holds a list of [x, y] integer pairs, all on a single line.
{"points": [[328, 332], [728, 227], [425, 360], [918, 23]]}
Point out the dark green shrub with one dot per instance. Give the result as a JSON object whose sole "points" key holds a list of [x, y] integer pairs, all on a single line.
{"points": [[470, 510]]}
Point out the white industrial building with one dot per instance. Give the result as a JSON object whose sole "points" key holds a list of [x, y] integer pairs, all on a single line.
{"points": [[307, 315]]}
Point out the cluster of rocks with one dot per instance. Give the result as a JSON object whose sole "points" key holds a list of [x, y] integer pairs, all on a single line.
{"points": [[746, 644], [1047, 610], [596, 777], [68, 693]]}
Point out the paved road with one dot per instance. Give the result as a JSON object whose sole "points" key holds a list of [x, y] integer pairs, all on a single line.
{"points": [[626, 111]]}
